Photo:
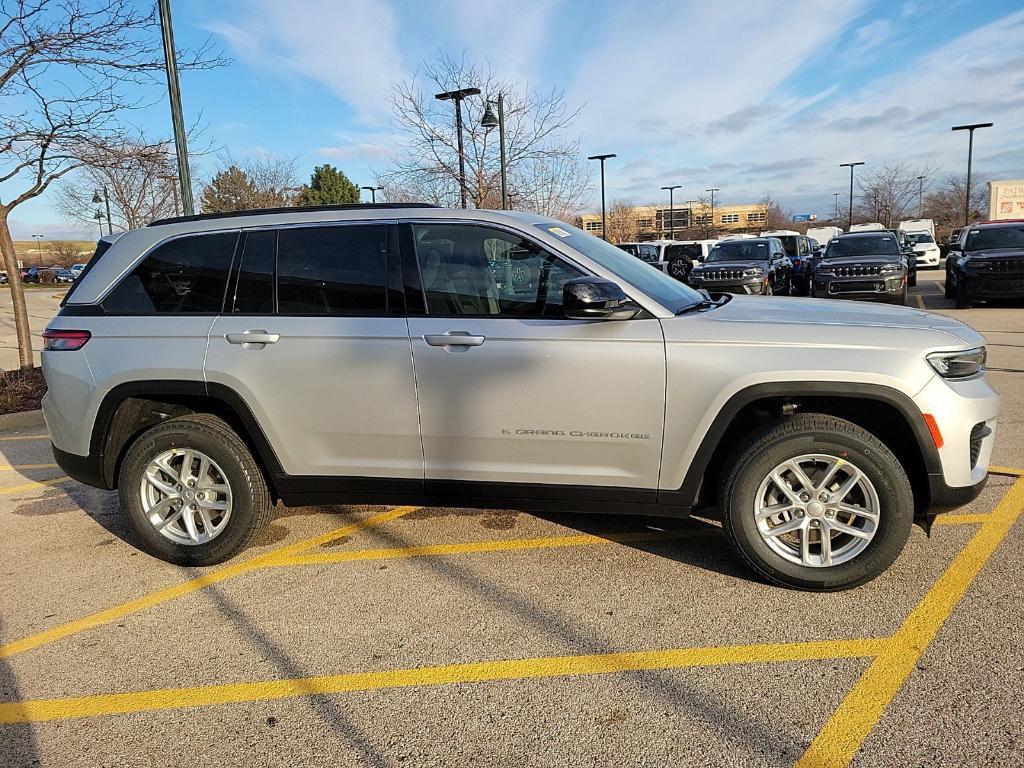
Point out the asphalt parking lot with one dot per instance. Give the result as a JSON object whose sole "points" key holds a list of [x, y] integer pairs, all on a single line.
{"points": [[385, 636]]}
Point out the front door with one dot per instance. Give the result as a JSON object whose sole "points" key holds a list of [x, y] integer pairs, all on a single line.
{"points": [[511, 391], [323, 361]]}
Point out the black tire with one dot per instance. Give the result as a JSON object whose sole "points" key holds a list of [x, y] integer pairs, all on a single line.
{"points": [[961, 296], [252, 506], [765, 449], [912, 278], [948, 286]]}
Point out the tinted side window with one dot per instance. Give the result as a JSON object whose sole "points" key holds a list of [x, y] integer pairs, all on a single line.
{"points": [[254, 291], [471, 270], [187, 274], [332, 270]]}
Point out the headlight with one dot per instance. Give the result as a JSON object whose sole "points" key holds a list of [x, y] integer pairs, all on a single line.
{"points": [[755, 272], [889, 269], [958, 365]]}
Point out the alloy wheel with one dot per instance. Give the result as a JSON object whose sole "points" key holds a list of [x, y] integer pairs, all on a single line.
{"points": [[186, 496]]}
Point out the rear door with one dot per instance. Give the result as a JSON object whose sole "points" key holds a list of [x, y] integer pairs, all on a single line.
{"points": [[321, 354], [510, 390]]}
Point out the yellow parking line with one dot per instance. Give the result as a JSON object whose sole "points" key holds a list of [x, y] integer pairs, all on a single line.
{"points": [[837, 742], [494, 545], [24, 437], [920, 301], [148, 601], [477, 672], [962, 519], [9, 467], [33, 484], [1013, 471]]}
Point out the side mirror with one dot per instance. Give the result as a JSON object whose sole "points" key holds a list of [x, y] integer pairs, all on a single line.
{"points": [[594, 298]]}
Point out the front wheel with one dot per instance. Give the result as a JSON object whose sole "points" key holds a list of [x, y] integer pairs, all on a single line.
{"points": [[192, 491], [961, 296], [947, 287], [816, 503]]}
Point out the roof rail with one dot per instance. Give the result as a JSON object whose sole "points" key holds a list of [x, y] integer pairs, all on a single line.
{"points": [[292, 209]]}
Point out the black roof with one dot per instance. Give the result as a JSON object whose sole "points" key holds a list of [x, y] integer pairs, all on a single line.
{"points": [[292, 209]]}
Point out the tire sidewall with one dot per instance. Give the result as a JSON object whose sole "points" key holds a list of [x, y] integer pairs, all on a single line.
{"points": [[170, 435], [895, 518]]}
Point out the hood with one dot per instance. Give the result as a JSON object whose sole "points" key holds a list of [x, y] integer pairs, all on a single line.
{"points": [[732, 265], [998, 254], [880, 260], [824, 319]]}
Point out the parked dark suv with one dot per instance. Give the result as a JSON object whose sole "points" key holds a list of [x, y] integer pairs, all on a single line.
{"points": [[862, 265], [987, 262], [756, 265]]}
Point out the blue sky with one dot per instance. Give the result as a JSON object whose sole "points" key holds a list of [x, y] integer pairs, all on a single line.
{"points": [[751, 97]]}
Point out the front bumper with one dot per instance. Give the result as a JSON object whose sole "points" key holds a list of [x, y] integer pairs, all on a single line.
{"points": [[874, 287], [751, 287], [927, 258], [945, 497], [988, 285]]}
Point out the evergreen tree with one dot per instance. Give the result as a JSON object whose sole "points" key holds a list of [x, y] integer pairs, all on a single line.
{"points": [[329, 186], [229, 190]]}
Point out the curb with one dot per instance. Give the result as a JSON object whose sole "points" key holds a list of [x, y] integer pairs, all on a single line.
{"points": [[22, 419]]}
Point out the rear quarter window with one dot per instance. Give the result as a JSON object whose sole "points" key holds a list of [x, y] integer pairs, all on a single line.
{"points": [[186, 275]]}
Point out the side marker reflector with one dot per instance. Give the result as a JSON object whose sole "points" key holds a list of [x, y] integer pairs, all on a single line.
{"points": [[933, 428]]}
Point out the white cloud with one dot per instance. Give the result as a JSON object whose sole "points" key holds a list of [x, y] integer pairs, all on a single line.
{"points": [[350, 46]]}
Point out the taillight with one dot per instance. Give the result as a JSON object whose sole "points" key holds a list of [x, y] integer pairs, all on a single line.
{"points": [[61, 340]]}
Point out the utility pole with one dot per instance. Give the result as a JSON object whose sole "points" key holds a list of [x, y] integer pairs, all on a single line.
{"points": [[171, 64], [712, 191], [920, 196], [851, 166], [836, 196], [457, 97], [604, 220], [970, 157], [671, 212]]}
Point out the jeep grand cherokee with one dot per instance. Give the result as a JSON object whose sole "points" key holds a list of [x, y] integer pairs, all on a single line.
{"points": [[208, 366]]}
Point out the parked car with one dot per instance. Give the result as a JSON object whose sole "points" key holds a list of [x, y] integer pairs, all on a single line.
{"points": [[801, 250], [77, 268], [926, 250], [64, 276], [3, 278], [862, 265], [31, 275], [812, 430], [918, 225], [986, 263], [670, 256], [750, 266]]}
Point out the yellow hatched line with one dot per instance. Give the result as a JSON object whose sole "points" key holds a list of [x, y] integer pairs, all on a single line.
{"points": [[33, 484], [838, 741], [478, 672], [9, 467], [214, 577], [962, 519]]}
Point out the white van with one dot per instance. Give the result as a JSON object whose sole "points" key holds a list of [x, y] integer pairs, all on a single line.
{"points": [[919, 225], [872, 226], [822, 235]]}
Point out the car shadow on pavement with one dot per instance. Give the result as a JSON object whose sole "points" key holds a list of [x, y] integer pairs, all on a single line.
{"points": [[17, 742]]}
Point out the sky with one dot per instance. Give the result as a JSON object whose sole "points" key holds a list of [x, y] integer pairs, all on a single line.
{"points": [[751, 97]]}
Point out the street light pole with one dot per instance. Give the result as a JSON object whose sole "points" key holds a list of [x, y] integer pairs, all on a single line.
{"points": [[373, 193], [836, 196], [920, 196], [970, 157], [671, 212], [171, 65], [488, 121], [106, 198], [604, 220], [851, 166], [457, 96], [99, 220], [39, 248], [712, 191]]}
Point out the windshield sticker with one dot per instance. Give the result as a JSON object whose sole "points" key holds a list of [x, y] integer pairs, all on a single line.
{"points": [[559, 231]]}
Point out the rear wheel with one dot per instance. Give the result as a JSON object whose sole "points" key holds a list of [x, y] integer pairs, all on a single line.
{"points": [[192, 491], [816, 503], [680, 269]]}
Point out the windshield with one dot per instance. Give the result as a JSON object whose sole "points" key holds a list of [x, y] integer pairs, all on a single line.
{"points": [[876, 245], [789, 243], [667, 291], [995, 237], [913, 238], [740, 250]]}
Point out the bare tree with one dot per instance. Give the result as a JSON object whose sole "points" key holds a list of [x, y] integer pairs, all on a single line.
{"points": [[775, 216], [64, 253], [544, 170], [140, 178], [945, 205], [623, 226], [68, 71], [263, 182], [889, 194]]}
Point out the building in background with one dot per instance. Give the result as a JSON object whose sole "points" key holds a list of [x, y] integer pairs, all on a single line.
{"points": [[1005, 199], [649, 222]]}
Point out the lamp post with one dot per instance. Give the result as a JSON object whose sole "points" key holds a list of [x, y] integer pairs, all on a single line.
{"points": [[851, 166], [99, 220], [39, 248], [920, 196], [457, 96], [836, 196], [106, 199], [970, 157], [712, 190], [178, 123], [488, 121], [373, 193], [604, 221], [671, 212]]}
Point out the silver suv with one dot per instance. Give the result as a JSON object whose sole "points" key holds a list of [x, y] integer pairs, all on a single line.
{"points": [[209, 366]]}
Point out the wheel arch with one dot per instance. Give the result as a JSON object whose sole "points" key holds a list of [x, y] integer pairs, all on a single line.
{"points": [[129, 409], [890, 415]]}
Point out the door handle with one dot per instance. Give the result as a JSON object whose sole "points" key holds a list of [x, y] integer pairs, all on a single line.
{"points": [[252, 337], [454, 339]]}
